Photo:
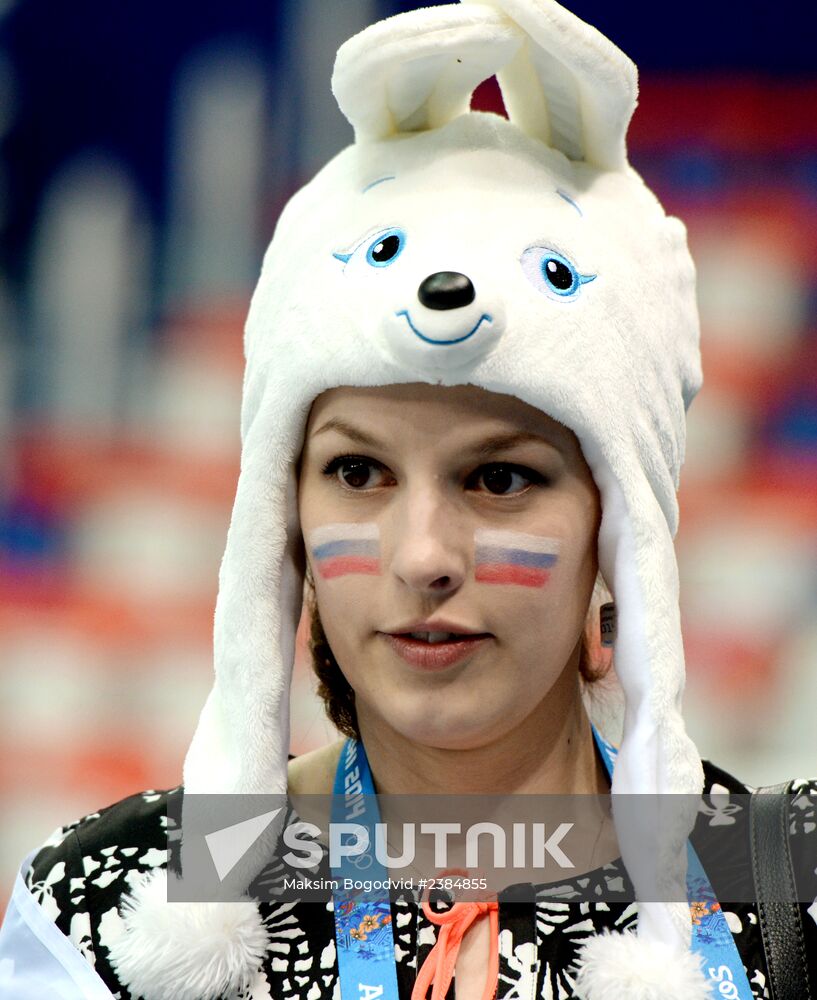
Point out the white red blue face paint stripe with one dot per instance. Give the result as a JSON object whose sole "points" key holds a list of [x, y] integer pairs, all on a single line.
{"points": [[511, 557], [341, 549]]}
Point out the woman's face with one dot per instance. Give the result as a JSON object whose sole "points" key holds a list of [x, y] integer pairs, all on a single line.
{"points": [[458, 508]]}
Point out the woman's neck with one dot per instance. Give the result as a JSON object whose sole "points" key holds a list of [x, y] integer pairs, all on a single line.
{"points": [[551, 752]]}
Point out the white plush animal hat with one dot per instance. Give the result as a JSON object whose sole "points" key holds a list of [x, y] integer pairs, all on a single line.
{"points": [[524, 256]]}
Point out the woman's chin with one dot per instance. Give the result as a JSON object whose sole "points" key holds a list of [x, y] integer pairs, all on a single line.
{"points": [[445, 728]]}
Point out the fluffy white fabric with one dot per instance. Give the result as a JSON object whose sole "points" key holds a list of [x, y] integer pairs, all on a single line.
{"points": [[418, 70], [497, 192], [618, 966], [562, 81], [569, 86], [186, 951]]}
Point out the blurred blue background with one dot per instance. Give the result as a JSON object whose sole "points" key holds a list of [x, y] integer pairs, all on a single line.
{"points": [[145, 153]]}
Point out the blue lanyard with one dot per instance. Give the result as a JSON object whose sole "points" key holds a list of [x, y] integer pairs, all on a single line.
{"points": [[711, 936], [363, 929]]}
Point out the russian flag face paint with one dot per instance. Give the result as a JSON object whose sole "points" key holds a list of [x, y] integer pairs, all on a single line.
{"points": [[341, 549], [511, 557]]}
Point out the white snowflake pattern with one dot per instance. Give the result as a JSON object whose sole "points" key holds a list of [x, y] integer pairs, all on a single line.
{"points": [[80, 934], [111, 927], [523, 964], [154, 858], [550, 916], [721, 812], [43, 891]]}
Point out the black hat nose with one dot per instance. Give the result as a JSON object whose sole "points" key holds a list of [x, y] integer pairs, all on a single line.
{"points": [[446, 290]]}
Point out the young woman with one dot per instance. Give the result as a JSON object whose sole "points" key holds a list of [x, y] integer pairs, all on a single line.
{"points": [[468, 362], [450, 715]]}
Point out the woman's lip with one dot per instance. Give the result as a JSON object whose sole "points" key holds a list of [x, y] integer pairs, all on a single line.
{"points": [[436, 655]]}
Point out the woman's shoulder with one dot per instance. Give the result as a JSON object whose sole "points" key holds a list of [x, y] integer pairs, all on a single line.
{"points": [[716, 778], [724, 835], [131, 834], [727, 798], [80, 874], [93, 860], [140, 818], [90, 862], [719, 781]]}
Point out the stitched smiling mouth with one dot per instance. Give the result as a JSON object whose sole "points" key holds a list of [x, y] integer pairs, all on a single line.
{"points": [[484, 318]]}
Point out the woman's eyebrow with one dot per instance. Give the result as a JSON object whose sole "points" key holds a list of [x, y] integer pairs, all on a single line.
{"points": [[486, 446], [336, 424], [502, 442]]}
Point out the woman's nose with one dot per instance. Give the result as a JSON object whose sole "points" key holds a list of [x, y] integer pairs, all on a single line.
{"points": [[428, 552]]}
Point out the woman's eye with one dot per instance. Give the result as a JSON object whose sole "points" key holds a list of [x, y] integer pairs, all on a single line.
{"points": [[502, 480], [352, 472], [552, 273]]}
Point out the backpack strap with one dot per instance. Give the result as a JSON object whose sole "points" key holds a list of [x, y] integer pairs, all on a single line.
{"points": [[778, 910]]}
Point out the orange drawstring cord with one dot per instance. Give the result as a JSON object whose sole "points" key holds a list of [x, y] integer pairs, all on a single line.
{"points": [[438, 968]]}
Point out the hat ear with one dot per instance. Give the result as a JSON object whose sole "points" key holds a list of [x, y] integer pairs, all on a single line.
{"points": [[568, 85], [417, 71], [562, 81]]}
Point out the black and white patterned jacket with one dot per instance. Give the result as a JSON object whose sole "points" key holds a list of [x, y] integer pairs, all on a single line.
{"points": [[80, 875]]}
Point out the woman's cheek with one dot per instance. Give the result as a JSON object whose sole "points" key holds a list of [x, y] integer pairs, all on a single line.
{"points": [[342, 550], [514, 558]]}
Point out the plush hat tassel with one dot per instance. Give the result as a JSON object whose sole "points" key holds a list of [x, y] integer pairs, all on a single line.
{"points": [[615, 965], [186, 951]]}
